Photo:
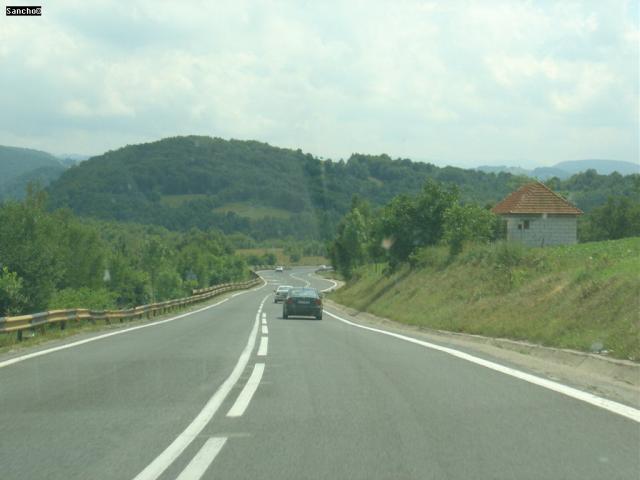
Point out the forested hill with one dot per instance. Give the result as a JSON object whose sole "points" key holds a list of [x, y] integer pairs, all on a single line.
{"points": [[19, 166], [248, 186]]}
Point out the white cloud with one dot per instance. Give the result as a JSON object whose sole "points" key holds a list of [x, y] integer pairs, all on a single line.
{"points": [[470, 82]]}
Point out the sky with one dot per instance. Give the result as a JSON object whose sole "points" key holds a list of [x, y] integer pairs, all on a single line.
{"points": [[465, 83]]}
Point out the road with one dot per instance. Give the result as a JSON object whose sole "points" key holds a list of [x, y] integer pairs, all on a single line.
{"points": [[236, 392]]}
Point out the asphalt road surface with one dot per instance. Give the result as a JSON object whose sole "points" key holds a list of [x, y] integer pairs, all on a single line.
{"points": [[236, 392]]}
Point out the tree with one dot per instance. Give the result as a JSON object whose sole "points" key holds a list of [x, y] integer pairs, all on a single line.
{"points": [[270, 258], [32, 247], [12, 300], [618, 218], [408, 223], [464, 223], [350, 246]]}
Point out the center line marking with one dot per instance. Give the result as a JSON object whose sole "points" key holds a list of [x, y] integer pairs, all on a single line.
{"points": [[184, 439], [265, 330], [247, 392], [199, 464], [264, 344]]}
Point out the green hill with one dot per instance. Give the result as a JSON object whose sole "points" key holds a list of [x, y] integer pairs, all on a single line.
{"points": [[19, 166], [249, 187]]}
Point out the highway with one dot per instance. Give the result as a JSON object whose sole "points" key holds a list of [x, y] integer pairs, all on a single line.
{"points": [[234, 391]]}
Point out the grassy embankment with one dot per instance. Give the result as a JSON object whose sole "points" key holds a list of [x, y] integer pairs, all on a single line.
{"points": [[567, 296]]}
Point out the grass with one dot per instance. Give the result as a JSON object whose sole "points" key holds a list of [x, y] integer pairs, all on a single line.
{"points": [[254, 212], [177, 200], [572, 296]]}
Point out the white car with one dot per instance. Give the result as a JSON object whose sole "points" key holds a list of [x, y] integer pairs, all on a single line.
{"points": [[279, 269], [281, 293], [324, 268]]}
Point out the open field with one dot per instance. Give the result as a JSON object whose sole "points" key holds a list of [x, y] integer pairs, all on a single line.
{"points": [[177, 200], [253, 212], [584, 297]]}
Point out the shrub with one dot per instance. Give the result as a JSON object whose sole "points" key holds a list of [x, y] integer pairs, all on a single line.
{"points": [[509, 254], [95, 299], [12, 300], [430, 257]]}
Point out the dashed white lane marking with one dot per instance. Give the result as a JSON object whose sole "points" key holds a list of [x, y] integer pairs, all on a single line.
{"points": [[265, 330], [264, 321], [205, 456], [264, 315], [173, 451], [247, 392], [609, 405], [264, 344]]}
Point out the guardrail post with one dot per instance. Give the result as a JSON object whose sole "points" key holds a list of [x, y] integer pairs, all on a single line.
{"points": [[19, 335], [63, 325]]}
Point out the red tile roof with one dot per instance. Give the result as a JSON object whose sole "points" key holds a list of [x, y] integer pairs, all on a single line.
{"points": [[535, 198]]}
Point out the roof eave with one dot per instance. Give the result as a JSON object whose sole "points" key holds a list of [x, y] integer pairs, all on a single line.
{"points": [[580, 212]]}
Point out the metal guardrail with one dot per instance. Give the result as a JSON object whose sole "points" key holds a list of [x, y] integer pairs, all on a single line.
{"points": [[20, 323]]}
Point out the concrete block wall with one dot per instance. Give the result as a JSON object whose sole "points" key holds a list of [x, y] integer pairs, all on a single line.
{"points": [[543, 230]]}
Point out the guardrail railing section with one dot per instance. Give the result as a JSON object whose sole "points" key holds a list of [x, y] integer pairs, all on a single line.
{"points": [[21, 323]]}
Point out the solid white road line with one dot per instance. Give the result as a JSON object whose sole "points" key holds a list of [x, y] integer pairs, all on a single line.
{"points": [[609, 405], [247, 392], [264, 344], [265, 330], [332, 287], [205, 456], [317, 277], [166, 458], [306, 283], [39, 353]]}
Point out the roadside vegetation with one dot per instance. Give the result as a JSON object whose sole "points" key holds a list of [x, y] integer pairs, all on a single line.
{"points": [[584, 297], [433, 260], [295, 254], [51, 260]]}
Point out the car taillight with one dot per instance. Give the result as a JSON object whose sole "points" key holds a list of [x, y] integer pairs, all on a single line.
{"points": [[289, 301], [318, 301]]}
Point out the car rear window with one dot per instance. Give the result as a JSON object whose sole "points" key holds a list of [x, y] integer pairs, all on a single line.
{"points": [[303, 292]]}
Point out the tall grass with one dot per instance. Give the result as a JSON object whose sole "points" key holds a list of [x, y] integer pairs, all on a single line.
{"points": [[573, 296]]}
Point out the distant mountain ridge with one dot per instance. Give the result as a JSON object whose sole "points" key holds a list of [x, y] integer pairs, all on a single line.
{"points": [[19, 166], [564, 170], [260, 190]]}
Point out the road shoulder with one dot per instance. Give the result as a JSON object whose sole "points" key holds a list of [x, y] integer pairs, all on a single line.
{"points": [[616, 380]]}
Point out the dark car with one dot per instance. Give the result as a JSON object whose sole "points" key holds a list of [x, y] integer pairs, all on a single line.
{"points": [[303, 301]]}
